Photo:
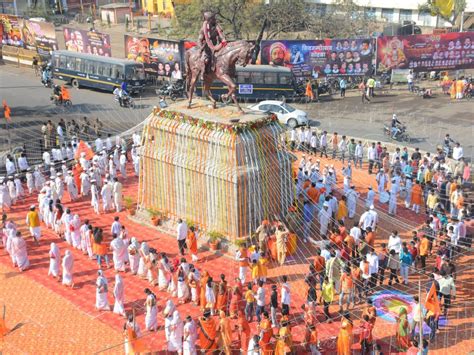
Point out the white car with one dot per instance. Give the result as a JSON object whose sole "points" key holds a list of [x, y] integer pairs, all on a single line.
{"points": [[286, 114]]}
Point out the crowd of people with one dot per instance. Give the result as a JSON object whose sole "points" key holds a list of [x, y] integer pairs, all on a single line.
{"points": [[348, 264]]}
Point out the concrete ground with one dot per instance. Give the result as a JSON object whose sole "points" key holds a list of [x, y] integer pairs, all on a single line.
{"points": [[428, 120]]}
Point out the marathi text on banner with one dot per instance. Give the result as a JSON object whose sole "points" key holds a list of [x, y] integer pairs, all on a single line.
{"points": [[328, 57], [420, 53]]}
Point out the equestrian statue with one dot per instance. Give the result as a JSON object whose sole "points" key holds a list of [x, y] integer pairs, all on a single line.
{"points": [[215, 59]]}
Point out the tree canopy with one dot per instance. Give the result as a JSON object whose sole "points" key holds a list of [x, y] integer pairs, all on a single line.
{"points": [[242, 19]]}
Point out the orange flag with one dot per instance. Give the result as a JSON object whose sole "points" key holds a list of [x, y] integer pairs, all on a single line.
{"points": [[83, 148], [432, 301], [6, 111]]}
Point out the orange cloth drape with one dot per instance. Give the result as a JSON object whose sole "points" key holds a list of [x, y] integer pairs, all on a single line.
{"points": [[207, 335], [266, 328], [244, 331], [344, 339], [417, 195], [192, 242]]}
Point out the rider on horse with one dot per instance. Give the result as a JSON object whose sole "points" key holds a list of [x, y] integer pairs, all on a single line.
{"points": [[211, 40]]}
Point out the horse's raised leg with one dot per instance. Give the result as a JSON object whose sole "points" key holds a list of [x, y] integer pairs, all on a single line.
{"points": [[231, 90], [207, 90]]}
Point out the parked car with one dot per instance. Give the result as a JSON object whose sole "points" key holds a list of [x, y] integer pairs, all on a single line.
{"points": [[286, 114]]}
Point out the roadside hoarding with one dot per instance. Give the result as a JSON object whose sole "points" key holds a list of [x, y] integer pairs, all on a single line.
{"points": [[316, 58], [447, 51], [33, 35], [160, 57], [90, 42]]}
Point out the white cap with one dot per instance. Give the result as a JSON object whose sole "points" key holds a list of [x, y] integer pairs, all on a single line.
{"points": [[372, 207], [325, 204]]}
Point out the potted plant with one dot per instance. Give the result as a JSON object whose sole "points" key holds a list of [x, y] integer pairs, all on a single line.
{"points": [[240, 242], [214, 240], [155, 216], [129, 204]]}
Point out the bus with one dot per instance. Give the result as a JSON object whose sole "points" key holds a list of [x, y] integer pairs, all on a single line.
{"points": [[258, 82], [96, 72]]}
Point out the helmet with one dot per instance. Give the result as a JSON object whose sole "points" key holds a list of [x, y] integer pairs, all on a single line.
{"points": [[208, 15], [394, 117]]}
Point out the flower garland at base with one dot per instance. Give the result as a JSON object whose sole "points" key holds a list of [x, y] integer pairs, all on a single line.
{"points": [[231, 128]]}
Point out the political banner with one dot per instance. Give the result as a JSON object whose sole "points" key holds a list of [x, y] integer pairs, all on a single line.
{"points": [[10, 30], [90, 42], [421, 53], [159, 57], [41, 36], [327, 57], [33, 35]]}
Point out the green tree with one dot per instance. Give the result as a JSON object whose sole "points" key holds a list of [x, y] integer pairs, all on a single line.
{"points": [[431, 7]]}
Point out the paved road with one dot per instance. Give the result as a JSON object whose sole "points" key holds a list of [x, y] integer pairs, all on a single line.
{"points": [[427, 120]]}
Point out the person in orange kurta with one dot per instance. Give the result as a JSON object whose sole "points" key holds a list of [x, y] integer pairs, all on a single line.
{"points": [[222, 295], [452, 90], [345, 338], [76, 172], [459, 88], [370, 237], [225, 331], [207, 333], [192, 244], [202, 295], [236, 302], [309, 91], [266, 334], [417, 197], [285, 340], [244, 332]]}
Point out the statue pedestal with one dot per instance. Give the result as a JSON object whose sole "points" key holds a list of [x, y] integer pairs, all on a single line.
{"points": [[200, 165]]}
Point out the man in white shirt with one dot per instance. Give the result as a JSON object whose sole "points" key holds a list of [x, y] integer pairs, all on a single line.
{"points": [[301, 139], [292, 138], [23, 163], [457, 152], [46, 160], [355, 233], [323, 143], [117, 192], [10, 165], [359, 154], [343, 148], [394, 242], [260, 299], [410, 81], [116, 227], [182, 233], [373, 260], [371, 156], [285, 296], [60, 132], [99, 145]]}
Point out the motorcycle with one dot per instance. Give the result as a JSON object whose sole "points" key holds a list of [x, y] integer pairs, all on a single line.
{"points": [[174, 90], [127, 101], [402, 135], [58, 101], [48, 83]]}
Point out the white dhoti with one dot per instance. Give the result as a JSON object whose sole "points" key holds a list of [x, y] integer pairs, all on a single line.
{"points": [[118, 306], [134, 262], [151, 322], [53, 267], [162, 280], [242, 274], [142, 269], [36, 232], [183, 290], [76, 238], [101, 301], [67, 278]]}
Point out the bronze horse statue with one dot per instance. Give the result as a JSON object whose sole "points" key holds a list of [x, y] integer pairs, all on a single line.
{"points": [[235, 53]]}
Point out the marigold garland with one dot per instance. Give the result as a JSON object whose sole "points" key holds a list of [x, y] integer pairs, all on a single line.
{"points": [[231, 128]]}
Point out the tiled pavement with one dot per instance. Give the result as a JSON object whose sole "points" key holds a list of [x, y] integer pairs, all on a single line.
{"points": [[65, 320]]}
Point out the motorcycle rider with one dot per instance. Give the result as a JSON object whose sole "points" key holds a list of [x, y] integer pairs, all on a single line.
{"points": [[65, 94], [448, 150], [46, 74], [57, 93], [122, 95], [396, 126]]}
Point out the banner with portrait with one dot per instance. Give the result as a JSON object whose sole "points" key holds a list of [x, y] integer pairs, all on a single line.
{"points": [[33, 35], [316, 58], [90, 42], [448, 51], [159, 57], [41, 36]]}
